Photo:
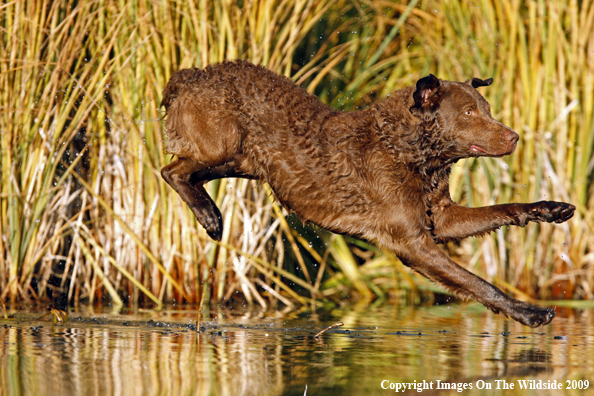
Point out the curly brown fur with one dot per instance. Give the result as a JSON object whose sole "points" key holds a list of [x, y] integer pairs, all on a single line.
{"points": [[381, 174]]}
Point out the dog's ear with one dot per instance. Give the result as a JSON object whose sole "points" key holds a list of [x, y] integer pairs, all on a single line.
{"points": [[477, 82], [427, 95], [426, 87]]}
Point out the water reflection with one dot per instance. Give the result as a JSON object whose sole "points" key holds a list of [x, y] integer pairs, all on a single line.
{"points": [[161, 353]]}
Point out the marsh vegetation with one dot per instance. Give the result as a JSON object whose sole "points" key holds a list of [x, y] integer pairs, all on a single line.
{"points": [[86, 217]]}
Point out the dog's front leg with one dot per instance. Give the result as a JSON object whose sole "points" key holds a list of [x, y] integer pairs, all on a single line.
{"points": [[425, 257], [453, 222]]}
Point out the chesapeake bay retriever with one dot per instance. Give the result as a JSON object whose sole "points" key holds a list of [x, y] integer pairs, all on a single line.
{"points": [[381, 174]]}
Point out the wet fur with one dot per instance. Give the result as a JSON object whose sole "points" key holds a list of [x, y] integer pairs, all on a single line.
{"points": [[381, 174]]}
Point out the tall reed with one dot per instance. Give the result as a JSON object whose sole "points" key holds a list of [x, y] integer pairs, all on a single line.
{"points": [[84, 213]]}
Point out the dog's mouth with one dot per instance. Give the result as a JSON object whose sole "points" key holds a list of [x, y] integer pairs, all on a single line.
{"points": [[481, 152], [477, 150]]}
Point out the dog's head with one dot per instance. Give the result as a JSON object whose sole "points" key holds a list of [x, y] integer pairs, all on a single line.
{"points": [[459, 113]]}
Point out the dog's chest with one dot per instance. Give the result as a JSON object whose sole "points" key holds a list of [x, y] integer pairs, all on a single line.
{"points": [[436, 192]]}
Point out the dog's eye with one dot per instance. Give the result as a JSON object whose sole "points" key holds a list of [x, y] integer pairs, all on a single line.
{"points": [[468, 112]]}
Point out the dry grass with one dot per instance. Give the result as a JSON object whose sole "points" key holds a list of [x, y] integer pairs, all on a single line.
{"points": [[84, 213]]}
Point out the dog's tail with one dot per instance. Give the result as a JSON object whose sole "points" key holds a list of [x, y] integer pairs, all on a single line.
{"points": [[178, 83]]}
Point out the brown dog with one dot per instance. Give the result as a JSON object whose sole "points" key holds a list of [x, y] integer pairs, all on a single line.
{"points": [[381, 174]]}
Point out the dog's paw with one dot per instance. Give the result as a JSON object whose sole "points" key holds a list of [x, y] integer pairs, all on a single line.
{"points": [[211, 220], [549, 211], [216, 233], [533, 316]]}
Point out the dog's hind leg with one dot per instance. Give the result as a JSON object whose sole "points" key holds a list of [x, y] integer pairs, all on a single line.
{"points": [[187, 178], [178, 175], [228, 169]]}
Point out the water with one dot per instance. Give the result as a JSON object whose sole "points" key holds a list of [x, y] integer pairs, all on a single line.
{"points": [[254, 353]]}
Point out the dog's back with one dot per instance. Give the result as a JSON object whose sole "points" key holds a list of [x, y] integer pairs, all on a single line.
{"points": [[273, 129]]}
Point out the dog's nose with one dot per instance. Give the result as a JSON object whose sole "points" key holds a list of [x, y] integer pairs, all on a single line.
{"points": [[512, 137]]}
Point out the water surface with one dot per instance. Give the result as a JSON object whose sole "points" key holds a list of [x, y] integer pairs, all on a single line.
{"points": [[254, 353]]}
